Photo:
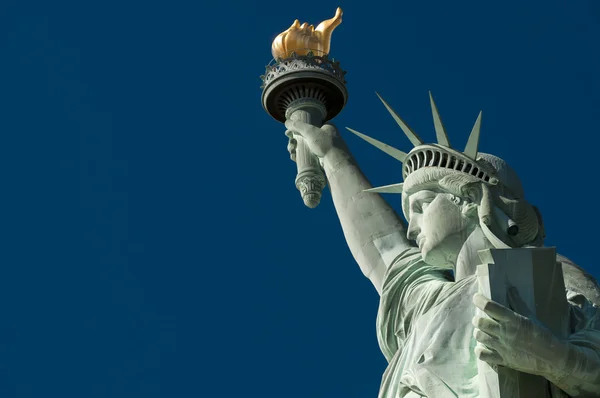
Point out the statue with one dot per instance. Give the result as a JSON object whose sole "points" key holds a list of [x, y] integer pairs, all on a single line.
{"points": [[434, 325]]}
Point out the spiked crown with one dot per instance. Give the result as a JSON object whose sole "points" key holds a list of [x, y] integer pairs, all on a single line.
{"points": [[433, 155]]}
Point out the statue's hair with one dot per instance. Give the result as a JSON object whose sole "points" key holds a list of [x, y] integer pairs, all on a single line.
{"points": [[436, 178], [507, 196]]}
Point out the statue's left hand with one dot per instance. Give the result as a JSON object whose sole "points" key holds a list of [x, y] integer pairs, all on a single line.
{"points": [[517, 341]]}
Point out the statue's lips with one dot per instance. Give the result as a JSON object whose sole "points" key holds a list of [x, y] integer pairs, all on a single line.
{"points": [[420, 239]]}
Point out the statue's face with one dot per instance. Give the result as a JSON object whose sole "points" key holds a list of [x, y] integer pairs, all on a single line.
{"points": [[438, 225]]}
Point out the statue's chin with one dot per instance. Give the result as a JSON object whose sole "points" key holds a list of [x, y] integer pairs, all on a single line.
{"points": [[437, 257]]}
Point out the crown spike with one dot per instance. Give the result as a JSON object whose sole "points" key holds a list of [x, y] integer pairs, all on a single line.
{"points": [[473, 142], [412, 136], [440, 131], [394, 188], [393, 152]]}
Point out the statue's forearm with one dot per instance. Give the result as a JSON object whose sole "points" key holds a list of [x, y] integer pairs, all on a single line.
{"points": [[373, 230]]}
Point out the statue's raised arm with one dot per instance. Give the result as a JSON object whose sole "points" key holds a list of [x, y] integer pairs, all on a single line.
{"points": [[375, 233]]}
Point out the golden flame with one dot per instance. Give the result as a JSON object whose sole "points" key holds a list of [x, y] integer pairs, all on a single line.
{"points": [[304, 38]]}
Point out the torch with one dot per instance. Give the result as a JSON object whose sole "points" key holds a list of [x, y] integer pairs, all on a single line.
{"points": [[303, 83]]}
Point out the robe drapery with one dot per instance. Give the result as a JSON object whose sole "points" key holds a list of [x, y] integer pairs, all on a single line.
{"points": [[425, 332]]}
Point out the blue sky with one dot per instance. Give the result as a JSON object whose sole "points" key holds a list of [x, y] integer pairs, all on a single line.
{"points": [[154, 242]]}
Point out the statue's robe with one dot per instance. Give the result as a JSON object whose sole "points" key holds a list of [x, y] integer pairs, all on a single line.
{"points": [[425, 332]]}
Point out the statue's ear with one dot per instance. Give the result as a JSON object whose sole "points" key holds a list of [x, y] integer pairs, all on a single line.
{"points": [[472, 194]]}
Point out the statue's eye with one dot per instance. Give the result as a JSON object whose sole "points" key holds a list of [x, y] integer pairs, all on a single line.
{"points": [[421, 206], [418, 206]]}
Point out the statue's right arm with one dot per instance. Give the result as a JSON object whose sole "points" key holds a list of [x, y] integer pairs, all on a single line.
{"points": [[375, 234]]}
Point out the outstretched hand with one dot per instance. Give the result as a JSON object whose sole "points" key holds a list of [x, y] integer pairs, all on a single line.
{"points": [[320, 140], [516, 341]]}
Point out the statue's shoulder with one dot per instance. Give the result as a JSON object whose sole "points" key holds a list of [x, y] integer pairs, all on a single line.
{"points": [[578, 281]]}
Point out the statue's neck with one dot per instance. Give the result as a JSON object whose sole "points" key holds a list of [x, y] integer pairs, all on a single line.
{"points": [[468, 257]]}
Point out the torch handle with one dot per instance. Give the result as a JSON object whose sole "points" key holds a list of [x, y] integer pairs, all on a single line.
{"points": [[310, 179]]}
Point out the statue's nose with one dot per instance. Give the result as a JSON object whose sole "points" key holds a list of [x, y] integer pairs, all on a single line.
{"points": [[413, 229]]}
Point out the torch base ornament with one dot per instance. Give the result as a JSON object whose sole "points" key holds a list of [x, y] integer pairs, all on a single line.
{"points": [[311, 187], [304, 76]]}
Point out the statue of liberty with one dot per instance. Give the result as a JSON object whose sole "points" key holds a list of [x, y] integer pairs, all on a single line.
{"points": [[433, 325]]}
